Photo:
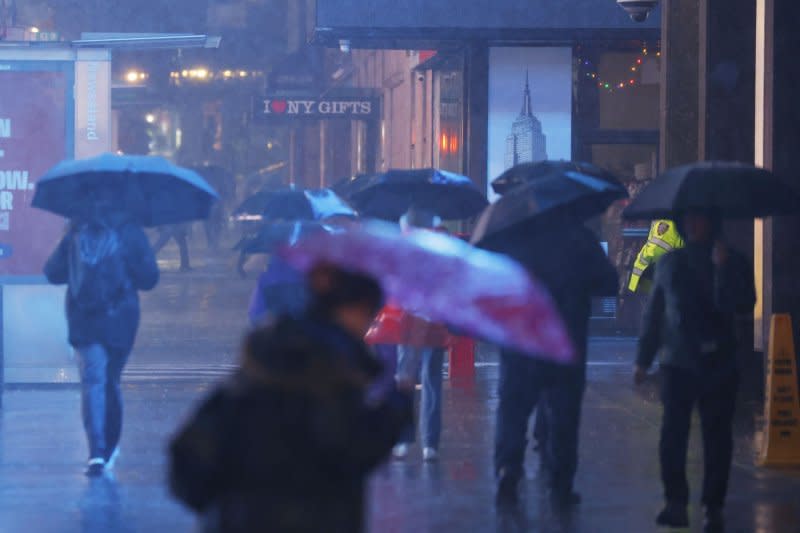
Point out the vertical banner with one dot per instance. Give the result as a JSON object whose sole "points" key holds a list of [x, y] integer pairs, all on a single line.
{"points": [[33, 138], [92, 107], [530, 107]]}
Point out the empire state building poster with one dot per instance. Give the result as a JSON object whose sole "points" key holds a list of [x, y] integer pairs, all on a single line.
{"points": [[530, 106]]}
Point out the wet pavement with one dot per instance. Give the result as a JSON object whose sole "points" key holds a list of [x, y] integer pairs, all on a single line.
{"points": [[189, 338]]}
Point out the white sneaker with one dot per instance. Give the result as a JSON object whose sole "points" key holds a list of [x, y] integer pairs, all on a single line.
{"points": [[430, 454], [400, 451]]}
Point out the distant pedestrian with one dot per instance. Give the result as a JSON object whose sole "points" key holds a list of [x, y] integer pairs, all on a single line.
{"points": [[104, 260], [422, 351], [697, 291], [287, 444], [180, 234]]}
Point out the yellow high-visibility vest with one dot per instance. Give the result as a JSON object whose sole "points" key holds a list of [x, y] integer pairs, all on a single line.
{"points": [[663, 238]]}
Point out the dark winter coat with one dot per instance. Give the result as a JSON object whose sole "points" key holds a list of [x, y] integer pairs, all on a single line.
{"points": [[287, 444], [693, 305], [568, 259], [114, 328]]}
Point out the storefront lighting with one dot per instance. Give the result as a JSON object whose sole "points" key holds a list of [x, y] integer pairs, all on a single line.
{"points": [[135, 76], [242, 73], [150, 118], [34, 29], [227, 74]]}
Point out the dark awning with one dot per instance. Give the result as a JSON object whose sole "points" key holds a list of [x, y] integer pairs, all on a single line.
{"points": [[396, 23]]}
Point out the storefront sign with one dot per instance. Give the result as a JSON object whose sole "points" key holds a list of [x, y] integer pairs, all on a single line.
{"points": [[32, 139], [277, 107], [92, 108]]}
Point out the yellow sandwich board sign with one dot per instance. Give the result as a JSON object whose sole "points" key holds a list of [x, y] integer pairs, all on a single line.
{"points": [[782, 409]]}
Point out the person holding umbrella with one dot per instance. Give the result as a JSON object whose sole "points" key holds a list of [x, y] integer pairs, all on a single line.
{"points": [[697, 292], [288, 442], [105, 259], [539, 222]]}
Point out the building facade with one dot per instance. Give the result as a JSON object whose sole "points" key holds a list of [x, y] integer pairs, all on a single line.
{"points": [[526, 142]]}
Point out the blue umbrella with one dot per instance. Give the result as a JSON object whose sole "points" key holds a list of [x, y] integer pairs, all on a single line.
{"points": [[151, 190]]}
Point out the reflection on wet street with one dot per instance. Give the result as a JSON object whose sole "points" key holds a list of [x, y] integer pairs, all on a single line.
{"points": [[191, 328]]}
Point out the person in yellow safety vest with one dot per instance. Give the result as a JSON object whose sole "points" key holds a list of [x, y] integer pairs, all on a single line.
{"points": [[663, 237]]}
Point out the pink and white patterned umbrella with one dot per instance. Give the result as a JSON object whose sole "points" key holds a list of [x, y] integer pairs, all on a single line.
{"points": [[444, 279]]}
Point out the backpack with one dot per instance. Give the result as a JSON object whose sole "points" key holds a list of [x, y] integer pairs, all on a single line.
{"points": [[97, 276]]}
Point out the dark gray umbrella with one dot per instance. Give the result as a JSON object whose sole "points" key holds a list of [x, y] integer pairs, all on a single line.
{"points": [[293, 204], [391, 194], [570, 197], [527, 172], [732, 190], [272, 237]]}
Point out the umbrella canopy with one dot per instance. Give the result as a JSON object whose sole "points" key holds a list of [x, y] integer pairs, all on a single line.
{"points": [[446, 280], [391, 194], [732, 190], [527, 172], [274, 236], [151, 190], [554, 199], [293, 204]]}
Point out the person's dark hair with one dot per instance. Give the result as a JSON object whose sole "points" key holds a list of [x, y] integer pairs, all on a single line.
{"points": [[333, 288]]}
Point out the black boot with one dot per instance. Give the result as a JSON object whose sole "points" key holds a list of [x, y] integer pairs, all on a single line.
{"points": [[714, 522], [507, 495], [673, 515]]}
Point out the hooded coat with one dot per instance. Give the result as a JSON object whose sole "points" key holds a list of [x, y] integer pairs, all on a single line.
{"points": [[287, 444], [115, 326]]}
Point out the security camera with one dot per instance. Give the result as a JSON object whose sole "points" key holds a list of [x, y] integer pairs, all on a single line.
{"points": [[638, 10]]}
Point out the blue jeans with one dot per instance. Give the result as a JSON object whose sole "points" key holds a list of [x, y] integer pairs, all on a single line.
{"points": [[430, 411], [101, 397]]}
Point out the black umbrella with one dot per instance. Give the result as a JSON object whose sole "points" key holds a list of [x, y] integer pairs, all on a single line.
{"points": [[567, 198], [732, 190], [391, 194], [527, 172], [272, 237], [293, 204]]}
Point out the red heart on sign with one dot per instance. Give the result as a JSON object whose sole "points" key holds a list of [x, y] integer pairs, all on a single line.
{"points": [[278, 106]]}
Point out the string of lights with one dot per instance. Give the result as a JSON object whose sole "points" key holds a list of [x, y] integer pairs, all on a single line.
{"points": [[623, 83]]}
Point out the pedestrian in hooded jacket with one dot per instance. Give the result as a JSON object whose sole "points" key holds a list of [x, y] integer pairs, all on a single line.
{"points": [[103, 323], [697, 292], [287, 444]]}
